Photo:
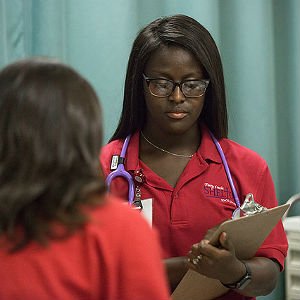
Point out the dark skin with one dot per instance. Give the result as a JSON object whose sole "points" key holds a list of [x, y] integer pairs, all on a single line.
{"points": [[222, 264], [172, 124]]}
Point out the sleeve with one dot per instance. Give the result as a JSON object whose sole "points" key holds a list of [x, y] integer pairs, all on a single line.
{"points": [[275, 246], [105, 159], [142, 272]]}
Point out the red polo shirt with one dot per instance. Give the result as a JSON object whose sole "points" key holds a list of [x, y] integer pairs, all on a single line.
{"points": [[114, 256], [202, 197]]}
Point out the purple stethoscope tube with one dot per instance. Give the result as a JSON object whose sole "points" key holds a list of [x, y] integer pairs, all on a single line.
{"points": [[227, 170], [121, 172]]}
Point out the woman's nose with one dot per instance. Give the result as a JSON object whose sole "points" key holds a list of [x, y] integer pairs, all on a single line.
{"points": [[177, 95]]}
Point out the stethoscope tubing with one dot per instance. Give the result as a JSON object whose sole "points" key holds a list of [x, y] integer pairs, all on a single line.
{"points": [[121, 172], [227, 170]]}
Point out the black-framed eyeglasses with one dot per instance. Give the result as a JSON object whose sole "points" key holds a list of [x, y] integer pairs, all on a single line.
{"points": [[162, 87]]}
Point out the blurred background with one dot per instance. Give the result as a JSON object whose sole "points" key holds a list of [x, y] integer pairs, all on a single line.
{"points": [[259, 41]]}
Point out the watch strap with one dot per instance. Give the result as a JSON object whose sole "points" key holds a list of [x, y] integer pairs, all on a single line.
{"points": [[243, 282]]}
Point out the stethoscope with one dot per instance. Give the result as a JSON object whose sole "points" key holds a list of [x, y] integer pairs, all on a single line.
{"points": [[118, 163], [119, 171]]}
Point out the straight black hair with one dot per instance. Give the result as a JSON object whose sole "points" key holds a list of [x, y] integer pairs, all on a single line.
{"points": [[180, 31]]}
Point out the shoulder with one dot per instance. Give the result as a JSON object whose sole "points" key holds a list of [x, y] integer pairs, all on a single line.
{"points": [[107, 151], [236, 152], [251, 172], [116, 147], [113, 207], [113, 147], [125, 239], [114, 216], [115, 222]]}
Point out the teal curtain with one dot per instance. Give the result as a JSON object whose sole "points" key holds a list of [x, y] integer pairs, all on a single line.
{"points": [[259, 41]]}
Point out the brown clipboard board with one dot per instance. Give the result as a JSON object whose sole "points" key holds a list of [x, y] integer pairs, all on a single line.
{"points": [[247, 234]]}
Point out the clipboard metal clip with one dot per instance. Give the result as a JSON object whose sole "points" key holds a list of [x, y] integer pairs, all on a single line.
{"points": [[248, 208]]}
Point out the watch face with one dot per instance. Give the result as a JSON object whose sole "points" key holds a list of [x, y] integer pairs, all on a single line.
{"points": [[244, 282]]}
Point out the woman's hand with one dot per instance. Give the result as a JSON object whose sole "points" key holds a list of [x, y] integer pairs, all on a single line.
{"points": [[220, 262], [216, 262]]}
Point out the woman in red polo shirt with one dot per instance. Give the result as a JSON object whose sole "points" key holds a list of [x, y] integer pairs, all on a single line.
{"points": [[61, 237], [174, 98]]}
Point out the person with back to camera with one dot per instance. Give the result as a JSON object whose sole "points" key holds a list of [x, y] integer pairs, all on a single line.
{"points": [[174, 116], [61, 235]]}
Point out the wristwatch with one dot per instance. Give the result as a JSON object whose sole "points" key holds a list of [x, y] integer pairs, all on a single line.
{"points": [[243, 282]]}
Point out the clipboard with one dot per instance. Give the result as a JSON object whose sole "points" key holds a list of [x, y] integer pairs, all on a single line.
{"points": [[247, 234]]}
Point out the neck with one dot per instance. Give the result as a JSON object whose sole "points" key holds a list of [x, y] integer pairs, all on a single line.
{"points": [[180, 146]]}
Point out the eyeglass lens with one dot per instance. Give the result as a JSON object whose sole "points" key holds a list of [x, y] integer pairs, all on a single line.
{"points": [[164, 88]]}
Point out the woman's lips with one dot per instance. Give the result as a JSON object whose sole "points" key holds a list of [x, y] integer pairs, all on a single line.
{"points": [[176, 115]]}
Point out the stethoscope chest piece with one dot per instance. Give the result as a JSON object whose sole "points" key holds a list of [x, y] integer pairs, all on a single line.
{"points": [[137, 178], [248, 208]]}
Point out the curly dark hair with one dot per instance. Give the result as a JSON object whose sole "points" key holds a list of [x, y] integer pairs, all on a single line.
{"points": [[180, 31], [50, 139]]}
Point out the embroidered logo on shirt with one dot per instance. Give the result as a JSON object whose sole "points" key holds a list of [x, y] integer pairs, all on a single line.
{"points": [[219, 192]]}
